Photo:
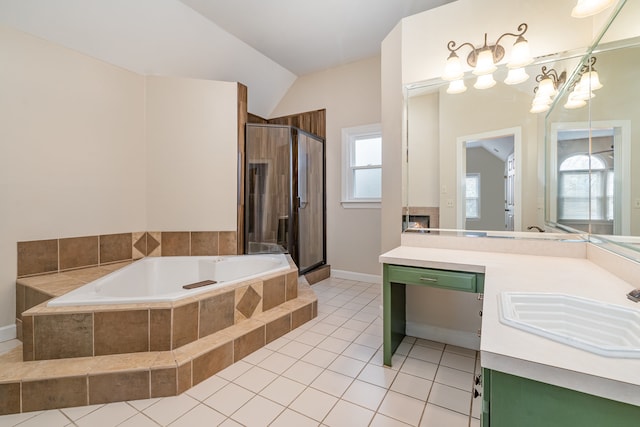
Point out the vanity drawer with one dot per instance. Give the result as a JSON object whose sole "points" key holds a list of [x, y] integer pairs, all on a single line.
{"points": [[455, 280]]}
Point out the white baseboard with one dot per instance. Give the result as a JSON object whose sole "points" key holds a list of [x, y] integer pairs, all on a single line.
{"points": [[7, 333], [464, 339], [360, 277]]}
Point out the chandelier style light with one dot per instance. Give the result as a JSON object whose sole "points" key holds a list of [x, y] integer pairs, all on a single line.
{"points": [[484, 60]]}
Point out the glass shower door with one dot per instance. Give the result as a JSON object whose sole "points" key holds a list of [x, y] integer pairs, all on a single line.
{"points": [[310, 201], [267, 191]]}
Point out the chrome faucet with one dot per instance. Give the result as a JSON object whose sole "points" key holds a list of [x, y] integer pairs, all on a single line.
{"points": [[531, 227]]}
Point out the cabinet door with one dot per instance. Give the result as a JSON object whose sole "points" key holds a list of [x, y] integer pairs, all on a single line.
{"points": [[517, 401]]}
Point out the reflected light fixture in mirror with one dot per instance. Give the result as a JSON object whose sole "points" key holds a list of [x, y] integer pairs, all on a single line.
{"points": [[583, 89], [484, 60], [549, 81], [586, 8]]}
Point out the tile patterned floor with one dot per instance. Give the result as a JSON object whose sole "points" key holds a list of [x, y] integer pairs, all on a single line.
{"points": [[328, 372]]}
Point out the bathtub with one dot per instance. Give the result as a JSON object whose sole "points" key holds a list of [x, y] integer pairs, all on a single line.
{"points": [[161, 279]]}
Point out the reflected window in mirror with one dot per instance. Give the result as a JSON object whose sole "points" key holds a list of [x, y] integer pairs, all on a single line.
{"points": [[472, 196]]}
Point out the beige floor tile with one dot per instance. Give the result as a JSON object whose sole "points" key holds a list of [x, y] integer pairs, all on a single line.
{"points": [[332, 383], [419, 368], [170, 409], [277, 363], [438, 416], [457, 361], [78, 412], [110, 414], [427, 354], [402, 408], [233, 371], [52, 418], [413, 386], [314, 403], [258, 412], [257, 356], [378, 375], [319, 357], [303, 372], [310, 338], [295, 349], [460, 350], [383, 421], [360, 352], [365, 394], [347, 366], [207, 387], [451, 398], [141, 404], [454, 378], [345, 334], [201, 415], [368, 340], [139, 420], [345, 414], [429, 343], [289, 418], [283, 390], [255, 379], [229, 399], [334, 345]]}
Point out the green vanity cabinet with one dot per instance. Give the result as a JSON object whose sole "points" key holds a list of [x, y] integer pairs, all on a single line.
{"points": [[509, 401], [395, 279]]}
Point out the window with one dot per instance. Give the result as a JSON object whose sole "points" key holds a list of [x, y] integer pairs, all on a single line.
{"points": [[583, 195], [472, 196], [362, 166]]}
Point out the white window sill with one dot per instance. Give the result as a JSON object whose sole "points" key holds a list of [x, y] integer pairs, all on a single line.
{"points": [[361, 204]]}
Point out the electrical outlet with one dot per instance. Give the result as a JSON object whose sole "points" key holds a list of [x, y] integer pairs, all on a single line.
{"points": [[637, 204], [449, 203]]}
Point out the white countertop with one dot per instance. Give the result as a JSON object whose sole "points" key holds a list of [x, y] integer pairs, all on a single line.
{"points": [[513, 351]]}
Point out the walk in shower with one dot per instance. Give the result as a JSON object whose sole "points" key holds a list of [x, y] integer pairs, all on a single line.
{"points": [[285, 194]]}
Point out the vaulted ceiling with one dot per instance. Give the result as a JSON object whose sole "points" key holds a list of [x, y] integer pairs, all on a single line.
{"points": [[264, 44]]}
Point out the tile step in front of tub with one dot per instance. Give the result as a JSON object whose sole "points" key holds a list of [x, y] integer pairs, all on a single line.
{"points": [[59, 383], [97, 330]]}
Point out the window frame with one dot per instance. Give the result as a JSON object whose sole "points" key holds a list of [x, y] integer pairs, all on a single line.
{"points": [[349, 137]]}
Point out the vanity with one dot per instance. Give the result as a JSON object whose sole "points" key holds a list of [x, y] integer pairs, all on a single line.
{"points": [[527, 380]]}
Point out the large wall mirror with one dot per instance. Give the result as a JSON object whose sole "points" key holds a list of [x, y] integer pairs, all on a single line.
{"points": [[480, 160], [593, 144]]}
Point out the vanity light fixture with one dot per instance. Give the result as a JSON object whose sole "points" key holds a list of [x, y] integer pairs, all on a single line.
{"points": [[484, 60], [549, 81], [586, 8]]}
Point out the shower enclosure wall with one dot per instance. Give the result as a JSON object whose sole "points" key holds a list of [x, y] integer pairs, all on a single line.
{"points": [[285, 194]]}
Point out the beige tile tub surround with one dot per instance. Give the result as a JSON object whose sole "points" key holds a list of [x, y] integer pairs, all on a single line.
{"points": [[80, 331], [46, 384], [56, 255]]}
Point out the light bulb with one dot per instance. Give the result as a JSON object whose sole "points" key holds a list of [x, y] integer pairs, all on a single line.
{"points": [[484, 63], [573, 102], [539, 108], [586, 8], [516, 76], [456, 86], [484, 81], [591, 80], [453, 68], [546, 87], [520, 54]]}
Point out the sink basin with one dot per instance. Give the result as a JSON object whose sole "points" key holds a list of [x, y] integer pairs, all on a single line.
{"points": [[601, 328]]}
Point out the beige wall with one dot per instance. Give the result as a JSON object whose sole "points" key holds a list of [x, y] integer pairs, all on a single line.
{"points": [[72, 149], [351, 96], [191, 154], [77, 157]]}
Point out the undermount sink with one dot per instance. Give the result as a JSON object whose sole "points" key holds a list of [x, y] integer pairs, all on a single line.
{"points": [[601, 328]]}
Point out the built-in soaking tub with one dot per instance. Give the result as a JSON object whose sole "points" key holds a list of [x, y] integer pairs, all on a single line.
{"points": [[162, 279], [144, 307]]}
